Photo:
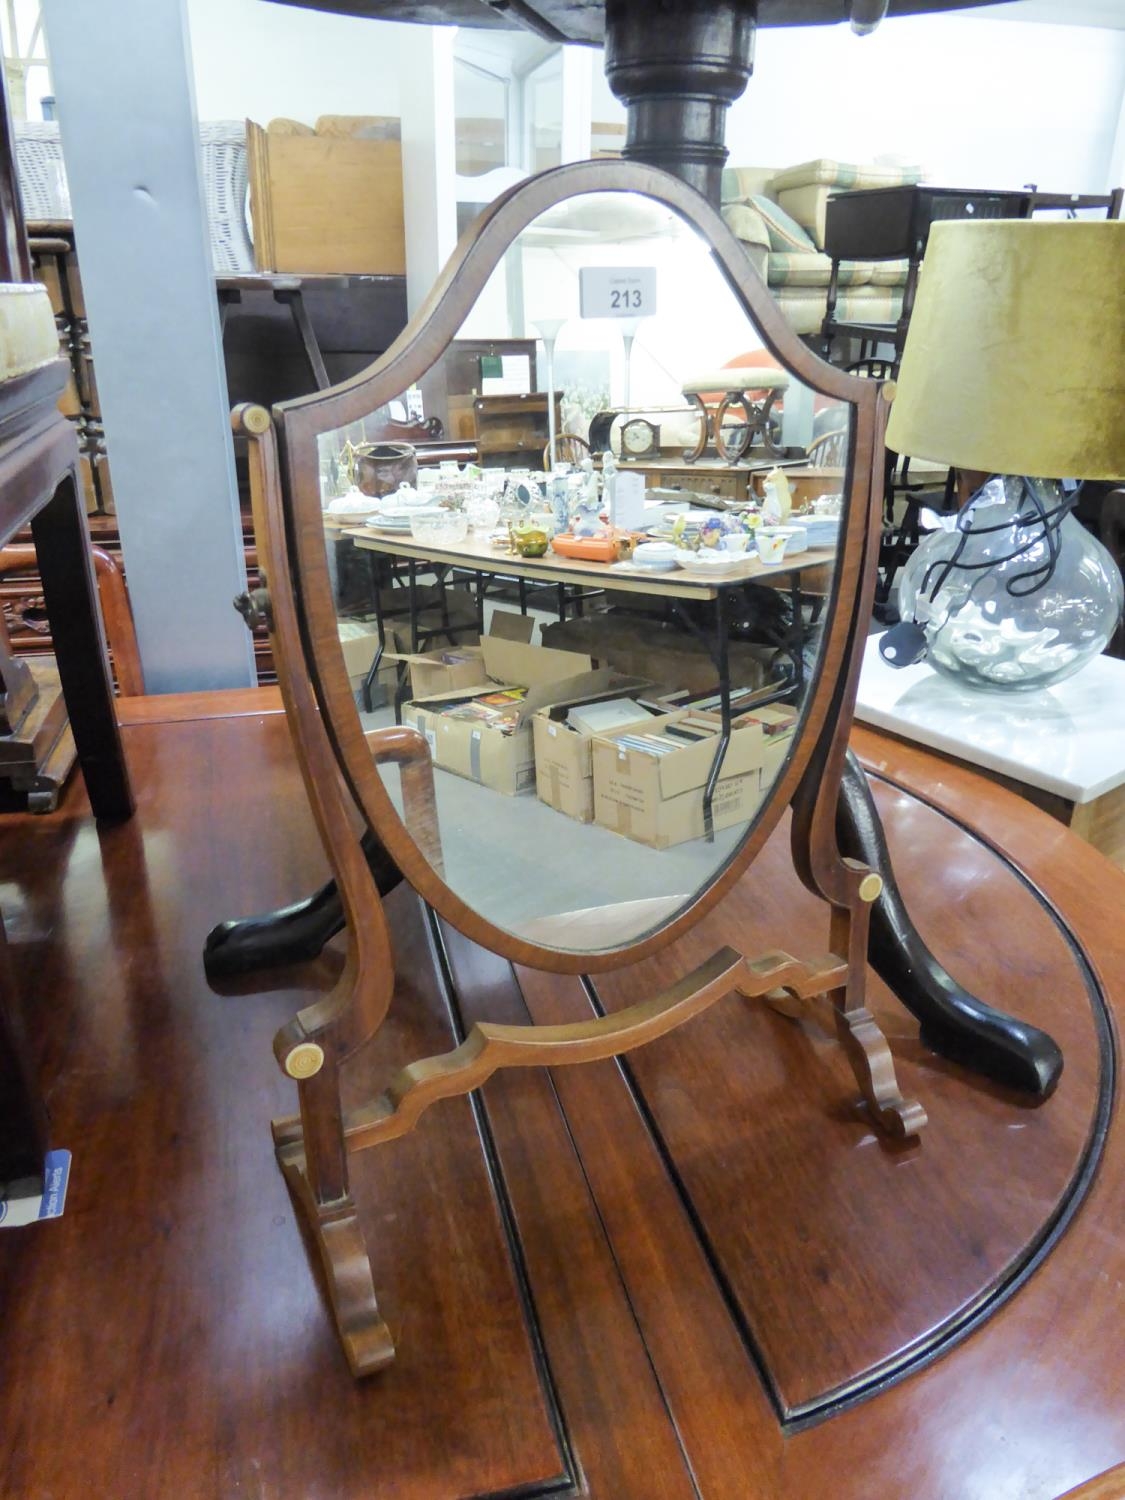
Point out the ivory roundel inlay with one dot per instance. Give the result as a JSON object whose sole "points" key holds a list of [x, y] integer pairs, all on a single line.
{"points": [[305, 1060], [871, 887]]}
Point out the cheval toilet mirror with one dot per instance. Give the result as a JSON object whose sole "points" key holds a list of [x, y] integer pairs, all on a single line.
{"points": [[472, 749], [520, 827]]}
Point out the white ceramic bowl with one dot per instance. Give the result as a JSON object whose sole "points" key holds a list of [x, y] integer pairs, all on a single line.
{"points": [[655, 555], [706, 560]]}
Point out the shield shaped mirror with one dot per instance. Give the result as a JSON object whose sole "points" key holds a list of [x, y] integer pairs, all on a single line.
{"points": [[580, 532]]}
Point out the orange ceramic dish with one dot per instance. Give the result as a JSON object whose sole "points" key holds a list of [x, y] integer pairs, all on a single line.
{"points": [[587, 548]]}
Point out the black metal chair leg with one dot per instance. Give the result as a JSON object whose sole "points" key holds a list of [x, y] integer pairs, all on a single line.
{"points": [[955, 1023]]}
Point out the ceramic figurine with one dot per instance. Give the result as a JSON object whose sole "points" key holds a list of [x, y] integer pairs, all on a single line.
{"points": [[560, 501], [609, 486], [771, 504], [778, 481], [588, 520]]}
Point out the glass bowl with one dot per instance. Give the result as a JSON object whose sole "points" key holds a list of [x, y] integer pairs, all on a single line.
{"points": [[482, 514], [443, 528]]}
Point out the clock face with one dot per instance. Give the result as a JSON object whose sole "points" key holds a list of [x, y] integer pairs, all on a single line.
{"points": [[639, 437]]}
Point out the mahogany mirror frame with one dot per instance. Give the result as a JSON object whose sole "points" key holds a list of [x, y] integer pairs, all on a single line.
{"points": [[338, 762], [422, 343]]}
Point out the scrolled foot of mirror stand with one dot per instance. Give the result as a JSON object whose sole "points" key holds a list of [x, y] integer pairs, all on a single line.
{"points": [[955, 1023], [293, 934], [365, 1337]]}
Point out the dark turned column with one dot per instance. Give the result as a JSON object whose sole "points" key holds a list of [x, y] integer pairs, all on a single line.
{"points": [[677, 65]]}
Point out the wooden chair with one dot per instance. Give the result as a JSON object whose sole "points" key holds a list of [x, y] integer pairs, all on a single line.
{"points": [[830, 450], [117, 612], [569, 449]]}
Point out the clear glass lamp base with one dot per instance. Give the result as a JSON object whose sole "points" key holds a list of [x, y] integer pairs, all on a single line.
{"points": [[1016, 595]]}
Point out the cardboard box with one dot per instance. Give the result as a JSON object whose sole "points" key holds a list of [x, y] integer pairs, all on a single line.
{"points": [[358, 643], [484, 753], [657, 799], [447, 669], [325, 203], [665, 654], [564, 771]]}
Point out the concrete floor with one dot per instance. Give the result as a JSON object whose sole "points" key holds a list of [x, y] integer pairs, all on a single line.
{"points": [[519, 862]]}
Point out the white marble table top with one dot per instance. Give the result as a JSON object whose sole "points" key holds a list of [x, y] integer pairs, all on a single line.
{"points": [[1068, 739]]}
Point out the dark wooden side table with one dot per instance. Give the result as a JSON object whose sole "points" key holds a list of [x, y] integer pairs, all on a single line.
{"points": [[289, 292], [39, 483], [23, 1118], [894, 224]]}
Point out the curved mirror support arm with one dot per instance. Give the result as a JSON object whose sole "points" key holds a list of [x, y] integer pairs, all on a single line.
{"points": [[816, 854], [312, 1047]]}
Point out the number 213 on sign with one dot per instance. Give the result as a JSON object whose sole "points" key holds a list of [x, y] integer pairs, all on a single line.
{"points": [[617, 291]]}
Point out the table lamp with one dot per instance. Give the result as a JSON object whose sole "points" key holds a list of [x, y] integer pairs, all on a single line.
{"points": [[1014, 367]]}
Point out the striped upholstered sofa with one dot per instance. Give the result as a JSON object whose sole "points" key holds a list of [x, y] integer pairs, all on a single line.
{"points": [[779, 217]]}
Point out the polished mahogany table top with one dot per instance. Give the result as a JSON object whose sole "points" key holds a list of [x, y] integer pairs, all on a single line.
{"points": [[584, 20], [620, 1286]]}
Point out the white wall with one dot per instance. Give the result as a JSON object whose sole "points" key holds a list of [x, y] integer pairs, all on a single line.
{"points": [[976, 102], [261, 60], [25, 13]]}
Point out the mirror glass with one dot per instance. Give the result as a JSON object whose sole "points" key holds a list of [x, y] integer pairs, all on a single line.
{"points": [[589, 556]]}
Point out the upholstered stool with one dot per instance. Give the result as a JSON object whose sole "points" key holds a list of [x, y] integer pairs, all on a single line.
{"points": [[736, 384], [28, 336]]}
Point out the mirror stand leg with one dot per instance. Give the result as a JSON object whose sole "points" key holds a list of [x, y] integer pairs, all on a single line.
{"points": [[312, 1155], [860, 1034], [955, 1023]]}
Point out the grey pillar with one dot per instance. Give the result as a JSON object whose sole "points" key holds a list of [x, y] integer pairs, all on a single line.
{"points": [[122, 76]]}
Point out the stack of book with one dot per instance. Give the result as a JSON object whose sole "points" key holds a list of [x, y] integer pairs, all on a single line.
{"points": [[608, 715], [499, 710]]}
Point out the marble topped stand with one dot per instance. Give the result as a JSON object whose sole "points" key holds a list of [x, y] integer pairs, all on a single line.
{"points": [[1062, 748]]}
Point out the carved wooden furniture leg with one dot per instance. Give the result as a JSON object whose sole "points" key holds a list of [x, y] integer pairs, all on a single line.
{"points": [[859, 1033], [333, 1223], [293, 934], [732, 452], [955, 1023], [691, 454], [757, 414], [847, 884]]}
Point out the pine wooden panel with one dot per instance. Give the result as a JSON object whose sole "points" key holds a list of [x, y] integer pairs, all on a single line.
{"points": [[326, 203]]}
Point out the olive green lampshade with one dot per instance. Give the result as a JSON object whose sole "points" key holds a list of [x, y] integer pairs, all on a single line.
{"points": [[1015, 357]]}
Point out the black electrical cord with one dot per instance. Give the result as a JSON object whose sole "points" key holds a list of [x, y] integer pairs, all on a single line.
{"points": [[1035, 578]]}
